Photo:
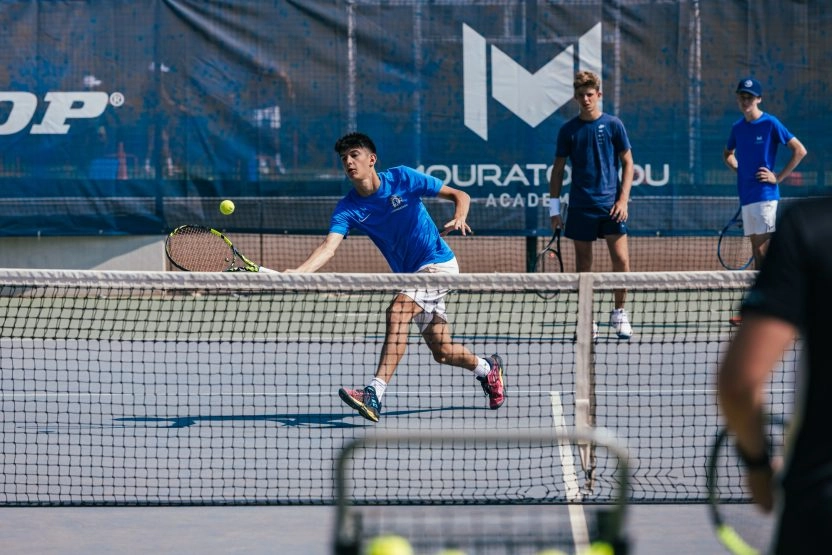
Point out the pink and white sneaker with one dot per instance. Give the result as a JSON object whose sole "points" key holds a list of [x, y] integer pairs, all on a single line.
{"points": [[493, 384]]}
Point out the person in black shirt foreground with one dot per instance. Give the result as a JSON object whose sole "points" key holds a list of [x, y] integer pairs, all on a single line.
{"points": [[792, 295]]}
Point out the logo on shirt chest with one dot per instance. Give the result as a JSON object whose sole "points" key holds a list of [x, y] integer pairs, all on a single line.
{"points": [[397, 203]]}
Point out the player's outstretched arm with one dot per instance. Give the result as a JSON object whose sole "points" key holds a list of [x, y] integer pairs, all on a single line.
{"points": [[320, 255]]}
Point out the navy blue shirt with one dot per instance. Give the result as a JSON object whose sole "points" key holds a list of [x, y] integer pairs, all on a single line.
{"points": [[593, 148]]}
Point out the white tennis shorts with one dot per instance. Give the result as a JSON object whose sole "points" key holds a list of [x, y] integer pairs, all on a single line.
{"points": [[759, 218], [431, 301]]}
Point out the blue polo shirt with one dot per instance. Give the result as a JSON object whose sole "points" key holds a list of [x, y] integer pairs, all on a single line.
{"points": [[396, 220]]}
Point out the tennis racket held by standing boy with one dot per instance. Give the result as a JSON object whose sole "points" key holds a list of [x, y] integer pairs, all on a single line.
{"points": [[733, 248], [195, 248], [549, 260]]}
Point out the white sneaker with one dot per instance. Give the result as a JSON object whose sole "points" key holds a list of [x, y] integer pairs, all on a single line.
{"points": [[621, 324]]}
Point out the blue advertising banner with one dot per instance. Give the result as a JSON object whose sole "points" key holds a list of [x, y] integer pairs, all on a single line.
{"points": [[134, 116]]}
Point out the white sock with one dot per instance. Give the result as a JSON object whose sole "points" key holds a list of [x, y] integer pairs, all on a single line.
{"points": [[482, 369], [379, 385]]}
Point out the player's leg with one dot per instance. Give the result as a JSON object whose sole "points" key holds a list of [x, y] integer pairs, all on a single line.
{"points": [[758, 224], [437, 335], [582, 228], [399, 314], [620, 258], [444, 349], [759, 246], [583, 255]]}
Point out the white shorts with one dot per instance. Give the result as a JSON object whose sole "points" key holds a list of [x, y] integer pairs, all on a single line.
{"points": [[759, 218], [431, 301]]}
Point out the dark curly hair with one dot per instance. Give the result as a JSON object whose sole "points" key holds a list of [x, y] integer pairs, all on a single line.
{"points": [[354, 140]]}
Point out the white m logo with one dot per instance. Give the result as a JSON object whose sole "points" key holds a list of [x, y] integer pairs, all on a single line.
{"points": [[532, 97]]}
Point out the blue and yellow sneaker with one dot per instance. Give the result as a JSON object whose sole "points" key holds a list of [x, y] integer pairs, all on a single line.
{"points": [[364, 401]]}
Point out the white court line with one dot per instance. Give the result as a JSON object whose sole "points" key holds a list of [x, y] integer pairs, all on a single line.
{"points": [[326, 393], [577, 518]]}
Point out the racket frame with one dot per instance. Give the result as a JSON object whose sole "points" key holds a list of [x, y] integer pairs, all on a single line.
{"points": [[247, 265], [552, 247], [736, 219], [725, 533], [541, 256]]}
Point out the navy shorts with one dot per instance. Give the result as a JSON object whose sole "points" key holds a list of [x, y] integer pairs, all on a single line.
{"points": [[589, 224]]}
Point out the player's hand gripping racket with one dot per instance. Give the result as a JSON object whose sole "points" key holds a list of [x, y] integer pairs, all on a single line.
{"points": [[549, 260], [734, 249], [742, 527], [195, 248]]}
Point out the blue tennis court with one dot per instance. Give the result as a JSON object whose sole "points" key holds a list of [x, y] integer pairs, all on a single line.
{"points": [[208, 390]]}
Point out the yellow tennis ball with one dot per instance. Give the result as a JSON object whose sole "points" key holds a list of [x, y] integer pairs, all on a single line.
{"points": [[389, 545], [599, 548], [226, 207]]}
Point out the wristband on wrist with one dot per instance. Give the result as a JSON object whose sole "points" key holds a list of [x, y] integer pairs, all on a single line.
{"points": [[755, 463], [554, 207]]}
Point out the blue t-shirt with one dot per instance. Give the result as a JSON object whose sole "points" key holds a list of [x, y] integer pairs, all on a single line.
{"points": [[396, 220], [755, 146], [593, 148]]}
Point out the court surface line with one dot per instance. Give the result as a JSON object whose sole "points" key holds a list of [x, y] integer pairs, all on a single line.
{"points": [[577, 518]]}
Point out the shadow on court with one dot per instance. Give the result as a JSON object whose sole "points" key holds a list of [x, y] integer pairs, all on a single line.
{"points": [[307, 420]]}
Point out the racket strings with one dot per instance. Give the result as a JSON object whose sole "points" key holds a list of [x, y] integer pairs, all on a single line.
{"points": [[734, 248], [199, 250]]}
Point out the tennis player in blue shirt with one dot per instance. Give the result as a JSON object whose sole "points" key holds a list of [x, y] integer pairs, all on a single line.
{"points": [[387, 206], [751, 151], [597, 145]]}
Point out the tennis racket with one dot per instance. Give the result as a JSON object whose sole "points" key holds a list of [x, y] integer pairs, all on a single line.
{"points": [[742, 527], [734, 249], [196, 248], [549, 260]]}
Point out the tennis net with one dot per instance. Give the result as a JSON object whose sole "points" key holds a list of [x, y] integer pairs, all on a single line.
{"points": [[177, 388]]}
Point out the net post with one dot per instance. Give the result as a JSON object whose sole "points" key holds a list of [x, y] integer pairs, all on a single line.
{"points": [[585, 374]]}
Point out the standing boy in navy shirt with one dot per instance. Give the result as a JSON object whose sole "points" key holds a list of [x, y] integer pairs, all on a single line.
{"points": [[596, 145]]}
